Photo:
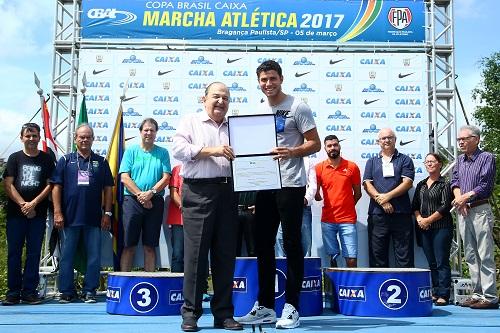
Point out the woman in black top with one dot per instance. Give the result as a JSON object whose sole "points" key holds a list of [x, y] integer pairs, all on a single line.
{"points": [[431, 206]]}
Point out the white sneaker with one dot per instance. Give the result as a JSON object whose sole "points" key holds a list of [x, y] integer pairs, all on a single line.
{"points": [[258, 315], [289, 317]]}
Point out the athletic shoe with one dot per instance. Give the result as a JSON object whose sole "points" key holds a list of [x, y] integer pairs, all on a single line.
{"points": [[289, 317], [31, 299], [258, 315], [89, 298], [64, 299], [11, 300]]}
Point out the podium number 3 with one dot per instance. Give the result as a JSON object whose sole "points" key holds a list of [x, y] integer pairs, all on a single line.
{"points": [[146, 299]]}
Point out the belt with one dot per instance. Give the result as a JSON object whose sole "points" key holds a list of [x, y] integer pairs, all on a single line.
{"points": [[214, 180], [478, 203], [243, 207]]}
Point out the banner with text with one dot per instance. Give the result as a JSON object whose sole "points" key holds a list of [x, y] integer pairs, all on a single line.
{"points": [[401, 21]]}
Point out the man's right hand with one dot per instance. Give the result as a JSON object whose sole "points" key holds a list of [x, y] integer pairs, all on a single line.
{"points": [[58, 220], [388, 208]]}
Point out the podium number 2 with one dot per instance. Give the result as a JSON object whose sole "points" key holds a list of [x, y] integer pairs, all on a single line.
{"points": [[393, 294], [393, 299]]}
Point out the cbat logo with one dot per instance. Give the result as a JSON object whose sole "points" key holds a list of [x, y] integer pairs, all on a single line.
{"points": [[97, 98], [166, 127], [373, 115], [424, 294], [131, 112], [110, 16], [303, 88], [338, 101], [278, 60], [367, 156], [165, 112], [372, 61], [369, 142], [407, 88], [167, 59], [175, 297], [97, 110], [132, 60], [338, 74], [201, 73], [408, 101], [338, 128], [238, 99], [133, 85], [98, 124], [98, 84], [338, 115], [201, 61], [311, 283], [409, 129], [372, 129], [303, 62], [167, 99], [240, 284], [408, 115], [235, 73], [352, 293], [197, 86], [164, 139], [372, 88], [236, 87], [399, 17], [113, 294]]}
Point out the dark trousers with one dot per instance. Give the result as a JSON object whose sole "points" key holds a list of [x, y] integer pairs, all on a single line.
{"points": [[177, 240], [210, 225], [436, 244], [20, 231], [384, 227], [246, 231], [271, 207]]}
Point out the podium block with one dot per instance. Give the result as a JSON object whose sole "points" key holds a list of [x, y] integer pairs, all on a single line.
{"points": [[382, 292], [144, 293], [246, 286]]}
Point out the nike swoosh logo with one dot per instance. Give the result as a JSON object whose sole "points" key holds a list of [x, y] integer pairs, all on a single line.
{"points": [[333, 62], [98, 72], [129, 98], [230, 61], [370, 102], [160, 73], [402, 76], [301, 74], [341, 140], [403, 143]]}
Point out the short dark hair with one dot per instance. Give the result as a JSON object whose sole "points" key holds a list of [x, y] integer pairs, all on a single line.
{"points": [[330, 137], [438, 157], [30, 127], [269, 65], [151, 121]]}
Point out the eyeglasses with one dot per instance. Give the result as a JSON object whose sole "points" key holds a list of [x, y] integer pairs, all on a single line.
{"points": [[386, 138], [466, 138], [31, 125], [430, 162]]}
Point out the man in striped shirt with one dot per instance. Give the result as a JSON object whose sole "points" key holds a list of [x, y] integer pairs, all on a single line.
{"points": [[472, 184]]}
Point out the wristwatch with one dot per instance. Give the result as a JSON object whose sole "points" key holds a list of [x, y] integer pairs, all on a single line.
{"points": [[153, 190], [108, 213]]}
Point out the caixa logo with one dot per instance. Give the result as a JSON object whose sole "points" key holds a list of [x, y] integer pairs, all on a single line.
{"points": [[113, 294], [352, 293], [311, 283], [116, 17], [175, 297], [240, 284], [424, 294]]}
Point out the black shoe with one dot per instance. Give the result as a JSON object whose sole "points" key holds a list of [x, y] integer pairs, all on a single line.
{"points": [[31, 299], [64, 299], [89, 298], [228, 324], [484, 304], [189, 324], [11, 300]]}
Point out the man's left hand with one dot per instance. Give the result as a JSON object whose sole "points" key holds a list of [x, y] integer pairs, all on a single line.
{"points": [[106, 222], [283, 153]]}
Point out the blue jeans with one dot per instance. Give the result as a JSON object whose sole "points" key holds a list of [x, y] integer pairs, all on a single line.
{"points": [[20, 230], [177, 238], [306, 231], [436, 244], [92, 240], [348, 239]]}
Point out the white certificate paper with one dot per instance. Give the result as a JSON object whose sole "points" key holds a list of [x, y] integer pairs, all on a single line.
{"points": [[254, 134], [254, 173]]}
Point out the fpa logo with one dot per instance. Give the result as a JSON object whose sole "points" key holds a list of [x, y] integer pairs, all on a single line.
{"points": [[399, 17], [352, 293]]}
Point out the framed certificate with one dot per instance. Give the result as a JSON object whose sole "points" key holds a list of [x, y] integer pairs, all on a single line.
{"points": [[252, 138]]}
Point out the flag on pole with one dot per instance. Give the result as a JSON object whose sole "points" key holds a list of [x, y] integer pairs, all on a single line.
{"points": [[49, 144], [114, 157], [82, 116]]}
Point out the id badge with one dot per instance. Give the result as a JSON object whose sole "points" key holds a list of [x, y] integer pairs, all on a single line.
{"points": [[83, 178], [280, 124], [388, 169]]}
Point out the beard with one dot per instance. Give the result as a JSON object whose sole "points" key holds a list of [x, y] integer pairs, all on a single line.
{"points": [[334, 154]]}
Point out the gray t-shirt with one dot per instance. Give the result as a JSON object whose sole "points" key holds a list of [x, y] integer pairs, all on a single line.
{"points": [[293, 119]]}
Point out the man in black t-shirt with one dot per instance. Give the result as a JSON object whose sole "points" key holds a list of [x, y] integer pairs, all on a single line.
{"points": [[26, 184]]}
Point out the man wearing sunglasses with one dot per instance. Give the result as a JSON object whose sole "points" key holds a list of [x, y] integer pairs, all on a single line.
{"points": [[26, 185]]}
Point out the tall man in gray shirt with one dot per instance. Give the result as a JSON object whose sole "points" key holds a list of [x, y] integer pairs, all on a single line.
{"points": [[297, 137]]}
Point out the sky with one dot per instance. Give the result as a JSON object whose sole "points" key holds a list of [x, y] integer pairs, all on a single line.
{"points": [[27, 32]]}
